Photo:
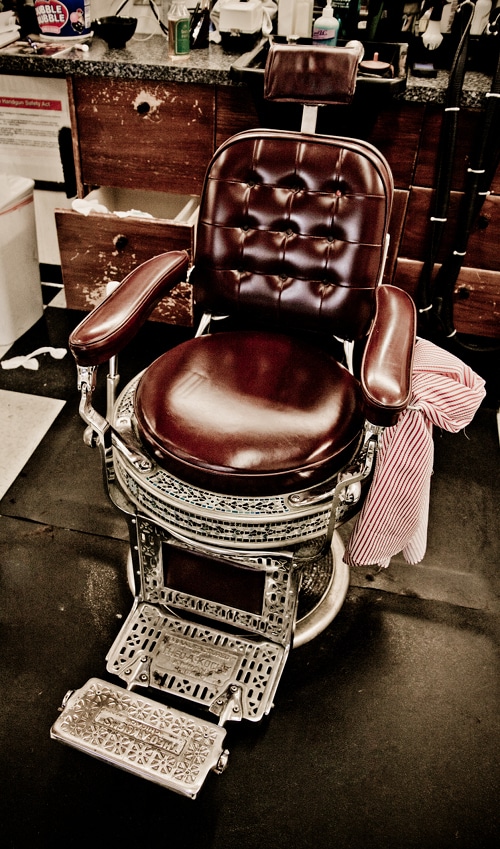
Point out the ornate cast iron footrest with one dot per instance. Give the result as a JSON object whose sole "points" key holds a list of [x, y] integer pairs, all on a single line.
{"points": [[232, 676], [141, 736]]}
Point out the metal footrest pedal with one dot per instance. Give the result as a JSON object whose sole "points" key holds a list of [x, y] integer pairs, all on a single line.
{"points": [[231, 675], [141, 736]]}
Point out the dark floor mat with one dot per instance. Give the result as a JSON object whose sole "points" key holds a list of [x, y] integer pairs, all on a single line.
{"points": [[384, 732]]}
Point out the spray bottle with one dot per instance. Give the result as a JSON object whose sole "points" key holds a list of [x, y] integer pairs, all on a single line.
{"points": [[326, 27]]}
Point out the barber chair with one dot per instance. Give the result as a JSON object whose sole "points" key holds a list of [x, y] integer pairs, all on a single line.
{"points": [[236, 455]]}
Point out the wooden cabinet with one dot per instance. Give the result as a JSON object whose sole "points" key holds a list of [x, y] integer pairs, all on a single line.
{"points": [[134, 136], [152, 135], [396, 132], [476, 298], [160, 136], [140, 135], [408, 135]]}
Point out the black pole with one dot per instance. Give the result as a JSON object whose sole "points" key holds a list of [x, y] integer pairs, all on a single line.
{"points": [[484, 160]]}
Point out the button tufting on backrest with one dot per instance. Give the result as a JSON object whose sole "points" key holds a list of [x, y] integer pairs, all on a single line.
{"points": [[313, 214]]}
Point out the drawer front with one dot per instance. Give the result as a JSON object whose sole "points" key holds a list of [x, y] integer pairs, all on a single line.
{"points": [[147, 135], [476, 297], [99, 249], [482, 250], [469, 123]]}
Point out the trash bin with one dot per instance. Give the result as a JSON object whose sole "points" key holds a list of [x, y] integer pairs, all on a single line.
{"points": [[21, 302]]}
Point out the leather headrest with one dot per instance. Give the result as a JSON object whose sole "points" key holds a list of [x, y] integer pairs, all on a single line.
{"points": [[310, 74]]}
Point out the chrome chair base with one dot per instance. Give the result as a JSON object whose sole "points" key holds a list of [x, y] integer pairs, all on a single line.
{"points": [[232, 676], [323, 591]]}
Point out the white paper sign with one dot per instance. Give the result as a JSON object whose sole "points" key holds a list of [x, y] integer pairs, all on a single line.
{"points": [[32, 111]]}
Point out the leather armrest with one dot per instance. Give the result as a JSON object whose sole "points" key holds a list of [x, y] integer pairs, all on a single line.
{"points": [[110, 326], [386, 368]]}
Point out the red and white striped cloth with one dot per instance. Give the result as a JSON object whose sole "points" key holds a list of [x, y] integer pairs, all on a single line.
{"points": [[394, 517]]}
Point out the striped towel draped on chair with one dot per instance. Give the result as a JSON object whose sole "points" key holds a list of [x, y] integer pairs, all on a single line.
{"points": [[394, 518]]}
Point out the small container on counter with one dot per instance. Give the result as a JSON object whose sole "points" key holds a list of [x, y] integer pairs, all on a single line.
{"points": [[326, 27], [178, 30], [200, 25]]}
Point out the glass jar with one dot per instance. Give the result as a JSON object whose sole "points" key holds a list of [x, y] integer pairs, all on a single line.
{"points": [[178, 30]]}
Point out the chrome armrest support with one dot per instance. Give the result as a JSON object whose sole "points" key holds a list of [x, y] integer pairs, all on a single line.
{"points": [[97, 424], [356, 471], [99, 431], [132, 449], [112, 381]]}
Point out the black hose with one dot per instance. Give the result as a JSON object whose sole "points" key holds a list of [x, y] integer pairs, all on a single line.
{"points": [[484, 161], [163, 27], [445, 158]]}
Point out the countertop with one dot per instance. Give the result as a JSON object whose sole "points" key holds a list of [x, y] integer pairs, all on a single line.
{"points": [[145, 57], [422, 90]]}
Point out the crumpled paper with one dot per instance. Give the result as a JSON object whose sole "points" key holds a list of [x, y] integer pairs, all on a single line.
{"points": [[29, 361], [85, 207]]}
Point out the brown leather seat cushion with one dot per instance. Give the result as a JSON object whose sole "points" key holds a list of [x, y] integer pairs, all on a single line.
{"points": [[249, 412]]}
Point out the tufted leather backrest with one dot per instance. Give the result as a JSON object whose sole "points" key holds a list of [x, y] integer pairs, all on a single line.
{"points": [[292, 231]]}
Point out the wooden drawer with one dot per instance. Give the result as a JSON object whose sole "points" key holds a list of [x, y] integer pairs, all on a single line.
{"points": [[426, 170], [476, 297], [102, 248], [482, 250], [140, 134]]}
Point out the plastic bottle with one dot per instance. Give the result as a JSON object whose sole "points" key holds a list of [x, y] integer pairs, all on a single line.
{"points": [[480, 17], [178, 30], [295, 18], [286, 12], [302, 23], [326, 27]]}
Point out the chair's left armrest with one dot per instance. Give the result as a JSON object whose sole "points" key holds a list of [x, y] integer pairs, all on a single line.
{"points": [[110, 326], [386, 368]]}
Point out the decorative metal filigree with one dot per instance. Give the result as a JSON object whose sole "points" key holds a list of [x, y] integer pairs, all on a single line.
{"points": [[144, 737], [276, 619], [196, 662], [194, 522]]}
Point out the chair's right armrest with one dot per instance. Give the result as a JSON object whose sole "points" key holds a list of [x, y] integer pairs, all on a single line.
{"points": [[386, 370], [110, 326]]}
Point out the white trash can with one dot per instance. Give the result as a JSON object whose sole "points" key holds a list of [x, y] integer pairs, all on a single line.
{"points": [[21, 303]]}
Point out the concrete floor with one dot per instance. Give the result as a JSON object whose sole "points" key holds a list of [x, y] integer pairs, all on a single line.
{"points": [[385, 729]]}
